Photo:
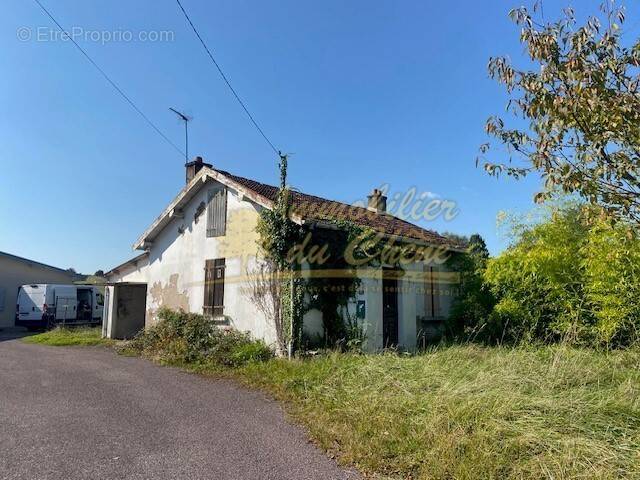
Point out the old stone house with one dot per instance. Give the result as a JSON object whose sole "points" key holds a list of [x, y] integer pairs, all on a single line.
{"points": [[209, 232]]}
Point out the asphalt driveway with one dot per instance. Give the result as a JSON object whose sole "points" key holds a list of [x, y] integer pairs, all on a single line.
{"points": [[85, 412]]}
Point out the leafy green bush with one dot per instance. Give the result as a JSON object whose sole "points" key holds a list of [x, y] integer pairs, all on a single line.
{"points": [[572, 277], [612, 263], [474, 302], [181, 337], [539, 282]]}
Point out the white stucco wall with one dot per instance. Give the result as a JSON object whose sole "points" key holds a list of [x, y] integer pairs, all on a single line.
{"points": [[371, 292], [175, 268], [312, 325], [174, 273], [411, 303], [135, 272]]}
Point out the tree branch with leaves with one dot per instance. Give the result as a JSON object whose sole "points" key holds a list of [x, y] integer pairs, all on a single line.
{"points": [[582, 106]]}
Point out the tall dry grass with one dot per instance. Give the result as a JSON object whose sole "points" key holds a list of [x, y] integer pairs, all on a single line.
{"points": [[469, 412]]}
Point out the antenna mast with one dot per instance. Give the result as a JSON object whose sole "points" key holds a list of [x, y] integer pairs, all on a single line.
{"points": [[186, 119]]}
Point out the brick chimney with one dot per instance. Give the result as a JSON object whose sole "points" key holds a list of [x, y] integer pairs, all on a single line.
{"points": [[194, 166], [377, 202]]}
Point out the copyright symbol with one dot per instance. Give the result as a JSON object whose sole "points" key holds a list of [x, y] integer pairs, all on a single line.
{"points": [[23, 34]]}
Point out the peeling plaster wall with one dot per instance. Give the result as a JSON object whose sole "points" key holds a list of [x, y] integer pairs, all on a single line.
{"points": [[174, 271]]}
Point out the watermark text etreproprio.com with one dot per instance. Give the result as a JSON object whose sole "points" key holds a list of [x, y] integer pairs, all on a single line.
{"points": [[81, 34]]}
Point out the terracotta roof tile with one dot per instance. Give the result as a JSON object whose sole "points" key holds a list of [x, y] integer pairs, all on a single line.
{"points": [[318, 208]]}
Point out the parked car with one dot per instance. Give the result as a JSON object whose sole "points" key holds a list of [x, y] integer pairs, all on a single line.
{"points": [[47, 305]]}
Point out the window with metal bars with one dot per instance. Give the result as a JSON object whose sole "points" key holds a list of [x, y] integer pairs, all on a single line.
{"points": [[217, 212]]}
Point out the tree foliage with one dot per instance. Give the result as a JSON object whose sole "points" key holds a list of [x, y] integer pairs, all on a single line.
{"points": [[581, 106], [474, 301], [539, 282], [572, 278], [613, 283], [277, 232]]}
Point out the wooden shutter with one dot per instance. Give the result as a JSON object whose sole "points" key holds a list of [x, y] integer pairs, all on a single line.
{"points": [[432, 288], [214, 287], [208, 288], [428, 292], [436, 286], [217, 212]]}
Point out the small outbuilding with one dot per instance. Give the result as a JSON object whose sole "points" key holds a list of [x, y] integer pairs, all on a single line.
{"points": [[124, 309], [17, 271]]}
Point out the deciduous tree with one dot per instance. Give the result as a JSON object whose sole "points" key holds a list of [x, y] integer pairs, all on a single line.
{"points": [[581, 104]]}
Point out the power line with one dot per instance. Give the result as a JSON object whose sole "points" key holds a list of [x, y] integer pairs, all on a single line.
{"points": [[226, 80], [113, 84]]}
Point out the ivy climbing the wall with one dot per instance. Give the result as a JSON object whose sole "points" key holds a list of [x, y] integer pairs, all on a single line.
{"points": [[277, 278], [333, 284]]}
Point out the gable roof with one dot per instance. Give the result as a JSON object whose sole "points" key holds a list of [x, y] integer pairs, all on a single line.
{"points": [[305, 208]]}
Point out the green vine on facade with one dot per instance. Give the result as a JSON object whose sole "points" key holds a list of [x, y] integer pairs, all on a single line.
{"points": [[330, 293], [277, 234], [330, 253]]}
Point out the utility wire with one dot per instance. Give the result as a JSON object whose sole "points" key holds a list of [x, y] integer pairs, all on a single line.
{"points": [[113, 84], [226, 80]]}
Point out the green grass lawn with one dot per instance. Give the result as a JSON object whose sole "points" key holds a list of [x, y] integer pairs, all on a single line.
{"points": [[60, 336], [468, 412]]}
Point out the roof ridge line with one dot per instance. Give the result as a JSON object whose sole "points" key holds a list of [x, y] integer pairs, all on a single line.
{"points": [[324, 199]]}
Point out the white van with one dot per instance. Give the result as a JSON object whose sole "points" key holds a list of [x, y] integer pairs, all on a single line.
{"points": [[43, 305]]}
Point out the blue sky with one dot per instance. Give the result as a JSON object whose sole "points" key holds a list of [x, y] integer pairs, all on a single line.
{"points": [[362, 92]]}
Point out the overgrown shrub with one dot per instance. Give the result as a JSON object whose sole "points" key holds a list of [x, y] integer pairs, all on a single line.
{"points": [[181, 337], [244, 353], [474, 301], [539, 282], [572, 277], [612, 267]]}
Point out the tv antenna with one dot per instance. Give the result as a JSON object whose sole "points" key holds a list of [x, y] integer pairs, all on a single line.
{"points": [[186, 119]]}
